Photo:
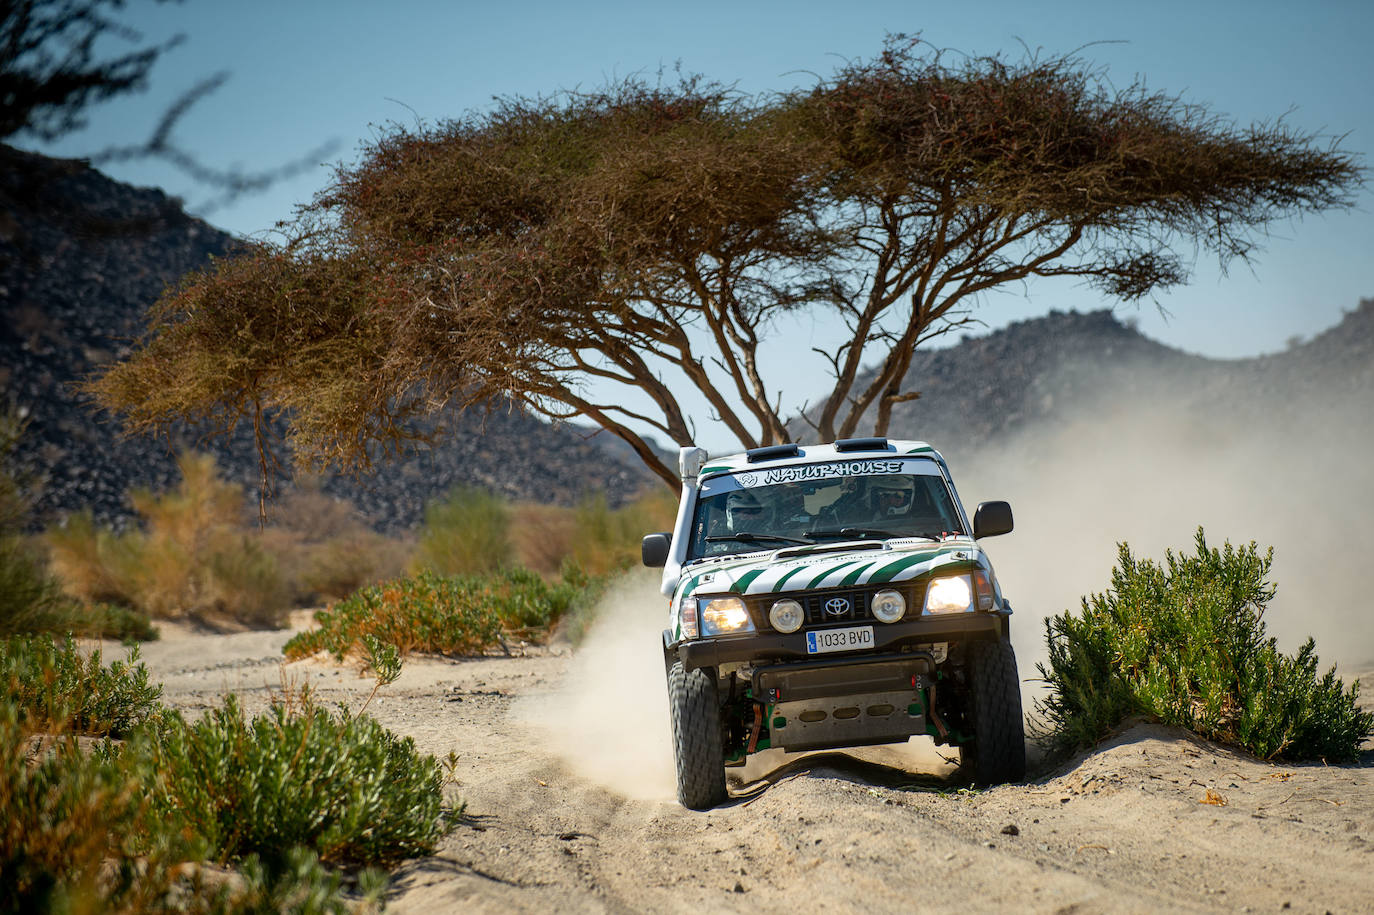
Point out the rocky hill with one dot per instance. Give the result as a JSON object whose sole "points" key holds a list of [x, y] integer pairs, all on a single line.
{"points": [[1040, 371], [81, 259]]}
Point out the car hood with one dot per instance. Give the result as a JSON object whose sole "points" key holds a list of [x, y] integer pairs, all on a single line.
{"points": [[827, 566]]}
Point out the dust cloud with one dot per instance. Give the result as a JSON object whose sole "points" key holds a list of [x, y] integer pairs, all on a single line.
{"points": [[1142, 461], [1146, 461], [608, 718]]}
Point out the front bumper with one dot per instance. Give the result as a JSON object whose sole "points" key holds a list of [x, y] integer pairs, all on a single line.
{"points": [[773, 646]]}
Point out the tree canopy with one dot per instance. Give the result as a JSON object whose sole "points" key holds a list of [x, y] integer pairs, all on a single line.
{"points": [[649, 234]]}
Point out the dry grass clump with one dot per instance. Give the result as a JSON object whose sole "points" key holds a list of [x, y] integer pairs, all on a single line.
{"points": [[199, 555], [474, 531], [194, 557], [325, 548]]}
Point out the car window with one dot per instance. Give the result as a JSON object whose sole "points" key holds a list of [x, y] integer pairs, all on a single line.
{"points": [[814, 502]]}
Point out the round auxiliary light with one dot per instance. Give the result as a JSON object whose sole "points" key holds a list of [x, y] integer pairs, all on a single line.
{"points": [[888, 606], [786, 616]]}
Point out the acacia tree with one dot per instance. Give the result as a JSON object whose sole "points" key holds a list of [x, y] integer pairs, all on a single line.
{"points": [[648, 236]]}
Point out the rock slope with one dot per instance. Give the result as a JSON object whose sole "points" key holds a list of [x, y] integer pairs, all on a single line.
{"points": [[81, 259]]}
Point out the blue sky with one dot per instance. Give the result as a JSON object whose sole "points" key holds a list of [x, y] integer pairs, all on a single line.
{"points": [[304, 73]]}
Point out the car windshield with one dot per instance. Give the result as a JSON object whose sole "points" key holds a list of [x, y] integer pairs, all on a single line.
{"points": [[814, 503]]}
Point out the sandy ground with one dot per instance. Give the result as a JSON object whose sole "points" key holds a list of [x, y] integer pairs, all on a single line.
{"points": [[565, 770]]}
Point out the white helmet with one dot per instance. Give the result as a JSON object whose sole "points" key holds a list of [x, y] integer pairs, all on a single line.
{"points": [[742, 511], [892, 493]]}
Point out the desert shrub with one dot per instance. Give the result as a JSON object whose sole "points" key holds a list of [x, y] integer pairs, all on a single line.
{"points": [[1185, 642], [31, 600], [111, 621], [299, 884], [245, 582], [341, 565], [81, 832], [76, 831], [596, 537], [454, 615], [52, 687], [340, 785], [586, 603], [608, 539], [466, 531]]}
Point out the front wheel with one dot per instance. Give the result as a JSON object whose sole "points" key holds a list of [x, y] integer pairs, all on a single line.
{"points": [[999, 738], [695, 712]]}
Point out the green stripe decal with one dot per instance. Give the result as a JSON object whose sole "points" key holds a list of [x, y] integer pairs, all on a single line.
{"points": [[745, 580], [691, 585], [778, 586], [854, 574], [817, 580], [714, 469], [889, 571]]}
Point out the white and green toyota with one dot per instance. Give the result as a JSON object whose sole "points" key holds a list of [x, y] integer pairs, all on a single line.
{"points": [[826, 596]]}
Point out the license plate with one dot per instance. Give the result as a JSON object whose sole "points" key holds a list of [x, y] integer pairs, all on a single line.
{"points": [[819, 641]]}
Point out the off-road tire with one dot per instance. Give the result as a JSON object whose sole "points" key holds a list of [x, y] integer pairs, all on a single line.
{"points": [[998, 750], [694, 709]]}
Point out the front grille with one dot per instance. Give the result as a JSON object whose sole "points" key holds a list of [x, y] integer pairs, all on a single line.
{"points": [[820, 607]]}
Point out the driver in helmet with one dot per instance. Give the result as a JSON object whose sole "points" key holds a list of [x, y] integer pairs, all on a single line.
{"points": [[743, 512], [892, 495]]}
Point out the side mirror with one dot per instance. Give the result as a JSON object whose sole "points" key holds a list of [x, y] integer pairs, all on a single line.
{"points": [[653, 549], [991, 519]]}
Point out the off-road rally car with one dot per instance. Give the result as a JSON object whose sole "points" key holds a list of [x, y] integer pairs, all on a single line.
{"points": [[830, 596]]}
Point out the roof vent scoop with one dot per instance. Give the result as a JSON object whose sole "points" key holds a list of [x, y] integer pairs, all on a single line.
{"points": [[772, 452], [862, 444]]}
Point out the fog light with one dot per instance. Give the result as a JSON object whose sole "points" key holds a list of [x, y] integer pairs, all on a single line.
{"points": [[786, 616], [888, 606]]}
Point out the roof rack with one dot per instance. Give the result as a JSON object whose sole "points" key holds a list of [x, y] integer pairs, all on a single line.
{"points": [[862, 444], [772, 451]]}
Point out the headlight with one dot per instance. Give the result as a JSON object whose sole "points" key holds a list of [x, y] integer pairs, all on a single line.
{"points": [[949, 595], [723, 616], [888, 606], [786, 616]]}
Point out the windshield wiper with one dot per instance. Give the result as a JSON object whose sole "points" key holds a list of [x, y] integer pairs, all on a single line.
{"points": [[859, 532], [756, 537]]}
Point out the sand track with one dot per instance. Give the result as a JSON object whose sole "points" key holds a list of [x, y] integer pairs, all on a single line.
{"points": [[553, 828]]}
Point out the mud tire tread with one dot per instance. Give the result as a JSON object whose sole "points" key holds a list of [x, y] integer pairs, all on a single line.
{"points": [[999, 734], [695, 712]]}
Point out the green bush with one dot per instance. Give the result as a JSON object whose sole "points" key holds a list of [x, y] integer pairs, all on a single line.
{"points": [[53, 688], [76, 833], [455, 615], [79, 832], [122, 827], [342, 786], [1185, 642], [466, 531]]}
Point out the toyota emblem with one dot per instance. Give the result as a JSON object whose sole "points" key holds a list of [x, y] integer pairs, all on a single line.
{"points": [[837, 606]]}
